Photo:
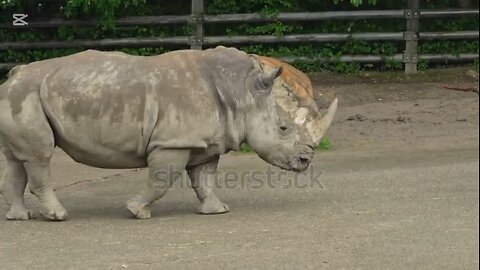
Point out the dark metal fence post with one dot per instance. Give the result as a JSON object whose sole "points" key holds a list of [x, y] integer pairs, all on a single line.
{"points": [[196, 20], [410, 55]]}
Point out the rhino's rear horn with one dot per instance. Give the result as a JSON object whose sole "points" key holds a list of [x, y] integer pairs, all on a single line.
{"points": [[265, 80]]}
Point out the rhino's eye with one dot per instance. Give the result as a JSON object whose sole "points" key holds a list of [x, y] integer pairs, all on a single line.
{"points": [[284, 130]]}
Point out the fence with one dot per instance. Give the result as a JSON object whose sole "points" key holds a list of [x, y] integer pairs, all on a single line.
{"points": [[198, 40]]}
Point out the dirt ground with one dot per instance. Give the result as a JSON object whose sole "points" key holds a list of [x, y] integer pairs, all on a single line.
{"points": [[436, 108], [398, 190]]}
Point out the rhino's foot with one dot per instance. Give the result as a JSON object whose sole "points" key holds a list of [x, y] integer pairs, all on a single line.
{"points": [[139, 209], [213, 206], [19, 214], [55, 214]]}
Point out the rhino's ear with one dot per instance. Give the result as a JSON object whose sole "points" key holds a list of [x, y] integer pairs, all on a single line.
{"points": [[264, 81]]}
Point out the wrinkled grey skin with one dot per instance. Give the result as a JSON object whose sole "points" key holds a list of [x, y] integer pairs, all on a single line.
{"points": [[171, 112]]}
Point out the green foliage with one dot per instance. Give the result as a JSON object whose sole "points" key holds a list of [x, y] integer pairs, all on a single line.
{"points": [[358, 2], [265, 7], [325, 144], [391, 64], [422, 64], [107, 10], [245, 148], [448, 46]]}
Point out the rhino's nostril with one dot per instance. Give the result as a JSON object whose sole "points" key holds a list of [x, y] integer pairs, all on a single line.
{"points": [[304, 159]]}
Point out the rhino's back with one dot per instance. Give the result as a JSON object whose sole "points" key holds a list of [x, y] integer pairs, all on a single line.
{"points": [[25, 79]]}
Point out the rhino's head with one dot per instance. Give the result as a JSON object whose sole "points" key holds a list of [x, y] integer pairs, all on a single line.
{"points": [[282, 126], [281, 131]]}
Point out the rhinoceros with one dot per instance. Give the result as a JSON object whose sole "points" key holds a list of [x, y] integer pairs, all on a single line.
{"points": [[171, 112]]}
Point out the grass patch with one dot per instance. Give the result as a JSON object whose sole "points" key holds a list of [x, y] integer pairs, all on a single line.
{"points": [[324, 144], [245, 148]]}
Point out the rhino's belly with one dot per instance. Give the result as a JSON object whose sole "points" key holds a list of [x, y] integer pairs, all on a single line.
{"points": [[94, 144], [108, 159]]}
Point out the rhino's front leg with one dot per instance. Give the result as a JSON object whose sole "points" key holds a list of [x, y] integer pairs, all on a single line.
{"points": [[203, 181], [165, 166]]}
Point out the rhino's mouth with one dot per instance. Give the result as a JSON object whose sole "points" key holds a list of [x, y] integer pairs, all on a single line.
{"points": [[301, 161]]}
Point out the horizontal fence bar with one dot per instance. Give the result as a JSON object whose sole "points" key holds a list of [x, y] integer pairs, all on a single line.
{"points": [[209, 41], [449, 57], [232, 40], [7, 66], [306, 16], [345, 58], [301, 38], [448, 13], [103, 43], [449, 35], [365, 59], [250, 18], [127, 21]]}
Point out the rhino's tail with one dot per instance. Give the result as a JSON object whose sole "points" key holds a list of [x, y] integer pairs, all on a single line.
{"points": [[10, 75], [1, 142]]}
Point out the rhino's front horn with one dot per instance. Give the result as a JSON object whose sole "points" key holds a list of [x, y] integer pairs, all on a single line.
{"points": [[265, 80], [318, 126]]}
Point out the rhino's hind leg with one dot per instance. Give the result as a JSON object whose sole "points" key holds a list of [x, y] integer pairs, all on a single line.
{"points": [[28, 135], [12, 186], [165, 166], [40, 185], [35, 158], [203, 181]]}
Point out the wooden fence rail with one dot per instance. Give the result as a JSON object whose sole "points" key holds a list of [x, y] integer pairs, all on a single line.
{"points": [[232, 40], [198, 19]]}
